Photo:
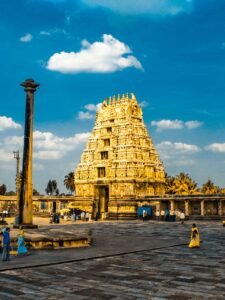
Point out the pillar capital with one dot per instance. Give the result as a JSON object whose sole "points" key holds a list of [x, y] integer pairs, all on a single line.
{"points": [[30, 85]]}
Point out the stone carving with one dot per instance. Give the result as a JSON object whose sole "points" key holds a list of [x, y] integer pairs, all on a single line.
{"points": [[119, 154]]}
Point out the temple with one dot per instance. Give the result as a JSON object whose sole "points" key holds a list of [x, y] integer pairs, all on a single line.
{"points": [[119, 165]]}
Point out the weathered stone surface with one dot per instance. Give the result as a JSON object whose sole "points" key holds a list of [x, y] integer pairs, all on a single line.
{"points": [[120, 163], [157, 271]]}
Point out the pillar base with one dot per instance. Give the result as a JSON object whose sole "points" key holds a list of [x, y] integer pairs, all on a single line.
{"points": [[26, 226]]}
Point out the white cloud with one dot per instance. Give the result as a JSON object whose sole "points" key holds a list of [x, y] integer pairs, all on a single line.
{"points": [[8, 123], [216, 147], [107, 56], [177, 147], [14, 140], [82, 115], [177, 154], [175, 124], [38, 167], [43, 32], [93, 107], [90, 113], [6, 155], [167, 124], [26, 38], [54, 31], [143, 103], [47, 146], [48, 154], [154, 7], [193, 124]]}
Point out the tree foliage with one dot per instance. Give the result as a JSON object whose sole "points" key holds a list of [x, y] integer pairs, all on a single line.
{"points": [[35, 192], [210, 188], [52, 188], [69, 182], [3, 189], [10, 193], [181, 184]]}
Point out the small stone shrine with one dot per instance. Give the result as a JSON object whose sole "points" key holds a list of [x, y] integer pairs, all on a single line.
{"points": [[119, 165]]}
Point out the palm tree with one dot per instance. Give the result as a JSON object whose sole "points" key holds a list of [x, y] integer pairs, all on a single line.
{"points": [[210, 188], [51, 188], [169, 184], [69, 182], [182, 184]]}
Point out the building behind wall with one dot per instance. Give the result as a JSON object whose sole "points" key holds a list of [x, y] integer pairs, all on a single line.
{"points": [[119, 164]]}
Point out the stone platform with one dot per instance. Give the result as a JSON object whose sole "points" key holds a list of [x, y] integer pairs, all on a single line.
{"points": [[53, 238], [127, 261]]}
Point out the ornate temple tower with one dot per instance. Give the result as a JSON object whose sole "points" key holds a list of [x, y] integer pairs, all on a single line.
{"points": [[120, 164]]}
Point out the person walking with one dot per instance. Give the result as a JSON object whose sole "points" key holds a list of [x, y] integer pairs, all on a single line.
{"points": [[182, 217], [167, 214], [21, 247], [6, 244], [157, 215], [195, 237], [144, 215]]}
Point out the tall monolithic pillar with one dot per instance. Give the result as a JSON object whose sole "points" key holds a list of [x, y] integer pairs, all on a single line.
{"points": [[26, 191]]}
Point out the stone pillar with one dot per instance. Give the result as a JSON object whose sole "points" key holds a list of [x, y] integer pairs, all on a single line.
{"points": [[26, 190], [172, 206], [202, 208], [187, 209], [220, 208], [58, 206], [39, 205], [158, 206]]}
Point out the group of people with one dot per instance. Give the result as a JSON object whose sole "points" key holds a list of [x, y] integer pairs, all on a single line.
{"points": [[83, 216], [170, 215], [6, 244], [54, 218]]}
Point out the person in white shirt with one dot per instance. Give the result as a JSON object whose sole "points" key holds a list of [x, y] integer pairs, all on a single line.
{"points": [[182, 217], [157, 215]]}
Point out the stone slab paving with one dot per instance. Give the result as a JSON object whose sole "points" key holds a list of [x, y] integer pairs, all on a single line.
{"points": [[163, 273]]}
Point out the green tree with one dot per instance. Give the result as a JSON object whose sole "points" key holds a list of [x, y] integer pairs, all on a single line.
{"points": [[10, 193], [3, 189], [52, 188], [69, 182], [210, 188], [35, 192]]}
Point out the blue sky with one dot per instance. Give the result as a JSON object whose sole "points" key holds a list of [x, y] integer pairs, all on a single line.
{"points": [[170, 53]]}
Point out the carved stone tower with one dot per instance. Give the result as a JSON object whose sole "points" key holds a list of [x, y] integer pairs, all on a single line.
{"points": [[120, 164]]}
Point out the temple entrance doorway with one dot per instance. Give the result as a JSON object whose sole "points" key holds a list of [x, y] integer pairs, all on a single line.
{"points": [[195, 207], [102, 199], [54, 207]]}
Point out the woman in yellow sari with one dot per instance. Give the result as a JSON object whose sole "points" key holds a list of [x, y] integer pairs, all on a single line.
{"points": [[195, 238]]}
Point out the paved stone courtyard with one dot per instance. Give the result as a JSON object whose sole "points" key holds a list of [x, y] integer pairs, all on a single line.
{"points": [[128, 260]]}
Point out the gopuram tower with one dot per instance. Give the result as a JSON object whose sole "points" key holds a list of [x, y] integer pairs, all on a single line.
{"points": [[119, 165]]}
